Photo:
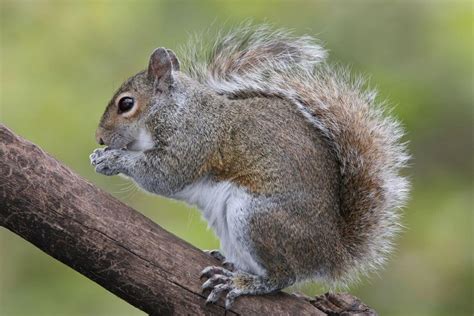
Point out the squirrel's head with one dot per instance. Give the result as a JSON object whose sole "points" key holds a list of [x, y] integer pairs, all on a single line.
{"points": [[122, 124]]}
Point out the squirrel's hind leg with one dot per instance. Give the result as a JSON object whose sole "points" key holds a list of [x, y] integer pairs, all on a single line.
{"points": [[236, 284]]}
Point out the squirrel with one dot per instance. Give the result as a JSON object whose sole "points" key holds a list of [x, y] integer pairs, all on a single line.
{"points": [[292, 161]]}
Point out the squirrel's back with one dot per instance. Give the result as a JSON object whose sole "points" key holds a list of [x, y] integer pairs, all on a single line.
{"points": [[363, 139]]}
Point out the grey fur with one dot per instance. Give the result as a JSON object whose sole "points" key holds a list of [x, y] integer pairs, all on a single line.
{"points": [[293, 164]]}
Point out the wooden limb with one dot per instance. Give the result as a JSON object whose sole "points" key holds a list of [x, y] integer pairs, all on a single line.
{"points": [[87, 229]]}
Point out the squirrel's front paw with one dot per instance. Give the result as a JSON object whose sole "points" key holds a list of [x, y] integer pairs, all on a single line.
{"points": [[106, 161]]}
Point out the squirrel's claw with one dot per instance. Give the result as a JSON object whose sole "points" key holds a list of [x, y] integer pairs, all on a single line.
{"points": [[212, 270], [213, 281], [230, 298], [216, 292], [106, 161], [219, 281], [95, 156]]}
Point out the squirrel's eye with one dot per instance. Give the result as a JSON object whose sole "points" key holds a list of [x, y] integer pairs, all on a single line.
{"points": [[125, 104]]}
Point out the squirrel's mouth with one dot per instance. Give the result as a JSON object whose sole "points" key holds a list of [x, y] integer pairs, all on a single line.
{"points": [[132, 146], [140, 143]]}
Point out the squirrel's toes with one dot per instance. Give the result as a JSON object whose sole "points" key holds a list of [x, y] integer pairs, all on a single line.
{"points": [[216, 254], [235, 283]]}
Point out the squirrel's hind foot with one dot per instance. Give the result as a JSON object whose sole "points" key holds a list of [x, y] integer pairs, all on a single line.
{"points": [[219, 281], [216, 254], [236, 284]]}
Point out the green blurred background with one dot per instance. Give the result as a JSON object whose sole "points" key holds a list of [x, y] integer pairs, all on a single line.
{"points": [[61, 61]]}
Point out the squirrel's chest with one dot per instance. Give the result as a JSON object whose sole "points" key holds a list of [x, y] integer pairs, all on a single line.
{"points": [[226, 208]]}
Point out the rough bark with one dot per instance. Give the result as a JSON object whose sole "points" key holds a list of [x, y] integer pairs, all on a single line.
{"points": [[87, 229]]}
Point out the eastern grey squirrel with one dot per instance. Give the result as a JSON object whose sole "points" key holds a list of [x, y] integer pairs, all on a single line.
{"points": [[292, 163]]}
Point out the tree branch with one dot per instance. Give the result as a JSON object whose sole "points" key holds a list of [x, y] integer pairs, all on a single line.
{"points": [[110, 243]]}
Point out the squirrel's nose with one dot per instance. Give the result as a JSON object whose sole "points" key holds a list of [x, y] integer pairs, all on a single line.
{"points": [[99, 138]]}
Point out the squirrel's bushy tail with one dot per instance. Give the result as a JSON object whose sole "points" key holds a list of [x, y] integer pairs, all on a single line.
{"points": [[367, 144], [253, 61]]}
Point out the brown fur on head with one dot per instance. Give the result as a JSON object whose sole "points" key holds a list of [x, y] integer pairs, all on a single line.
{"points": [[120, 124]]}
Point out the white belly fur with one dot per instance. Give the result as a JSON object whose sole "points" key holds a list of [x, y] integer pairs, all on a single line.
{"points": [[224, 206]]}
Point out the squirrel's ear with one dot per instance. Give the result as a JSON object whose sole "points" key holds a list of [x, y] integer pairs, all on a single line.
{"points": [[174, 60], [160, 67]]}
